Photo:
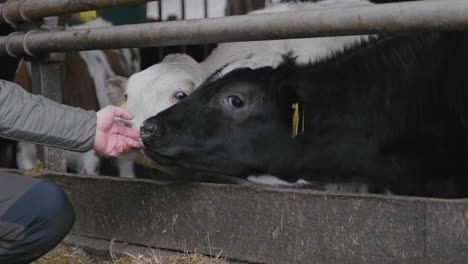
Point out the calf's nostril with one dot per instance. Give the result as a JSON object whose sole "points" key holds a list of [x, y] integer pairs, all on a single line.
{"points": [[148, 129]]}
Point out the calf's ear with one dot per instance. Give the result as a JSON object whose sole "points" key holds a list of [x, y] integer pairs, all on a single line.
{"points": [[288, 85], [115, 89]]}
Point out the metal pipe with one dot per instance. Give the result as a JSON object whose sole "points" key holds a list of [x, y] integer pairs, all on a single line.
{"points": [[182, 9], [160, 13], [205, 8], [160, 50], [205, 15], [372, 19], [183, 49], [33, 9]]}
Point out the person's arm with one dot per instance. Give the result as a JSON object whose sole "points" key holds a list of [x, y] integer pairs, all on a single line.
{"points": [[36, 119]]}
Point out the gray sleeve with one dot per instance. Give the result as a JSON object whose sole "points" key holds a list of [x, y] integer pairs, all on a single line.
{"points": [[36, 119]]}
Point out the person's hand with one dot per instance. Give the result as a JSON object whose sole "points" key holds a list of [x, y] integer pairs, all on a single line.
{"points": [[111, 137]]}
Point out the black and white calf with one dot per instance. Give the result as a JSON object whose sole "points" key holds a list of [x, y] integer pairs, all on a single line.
{"points": [[392, 111], [178, 75]]}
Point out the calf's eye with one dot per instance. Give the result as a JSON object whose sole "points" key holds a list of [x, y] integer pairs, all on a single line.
{"points": [[235, 101], [180, 95]]}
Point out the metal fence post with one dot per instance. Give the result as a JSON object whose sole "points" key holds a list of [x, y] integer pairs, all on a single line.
{"points": [[47, 77]]}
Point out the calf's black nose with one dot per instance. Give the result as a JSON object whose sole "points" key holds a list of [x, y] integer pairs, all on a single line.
{"points": [[148, 129], [152, 131]]}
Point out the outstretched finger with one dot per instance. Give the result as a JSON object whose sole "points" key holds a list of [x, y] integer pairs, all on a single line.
{"points": [[131, 143], [135, 143], [128, 132]]}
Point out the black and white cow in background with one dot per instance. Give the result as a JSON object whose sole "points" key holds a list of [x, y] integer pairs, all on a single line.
{"points": [[392, 111]]}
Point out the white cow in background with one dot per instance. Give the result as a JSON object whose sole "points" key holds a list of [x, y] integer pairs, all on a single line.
{"points": [[151, 91]]}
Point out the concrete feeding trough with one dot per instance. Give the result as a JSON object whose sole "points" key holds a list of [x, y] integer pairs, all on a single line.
{"points": [[269, 225]]}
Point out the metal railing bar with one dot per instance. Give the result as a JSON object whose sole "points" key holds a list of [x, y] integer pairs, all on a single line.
{"points": [[205, 15], [183, 49], [160, 13], [372, 19]]}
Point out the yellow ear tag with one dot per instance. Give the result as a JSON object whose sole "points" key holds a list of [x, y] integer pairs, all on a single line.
{"points": [[123, 103], [88, 15], [295, 120]]}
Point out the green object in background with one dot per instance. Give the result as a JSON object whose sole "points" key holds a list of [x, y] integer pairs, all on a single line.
{"points": [[132, 14]]}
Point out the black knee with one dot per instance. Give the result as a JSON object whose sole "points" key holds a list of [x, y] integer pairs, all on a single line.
{"points": [[55, 209], [54, 219], [46, 216]]}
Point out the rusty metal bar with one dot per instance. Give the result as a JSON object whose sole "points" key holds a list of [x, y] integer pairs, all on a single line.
{"points": [[372, 19], [33, 9], [47, 76], [47, 79]]}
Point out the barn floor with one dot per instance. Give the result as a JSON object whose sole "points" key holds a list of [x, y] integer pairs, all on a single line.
{"points": [[63, 254]]}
